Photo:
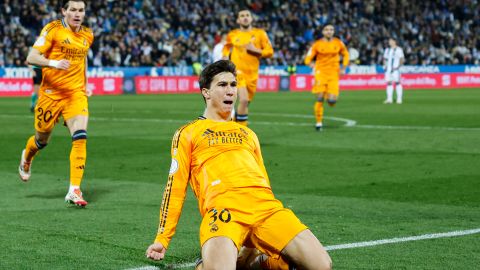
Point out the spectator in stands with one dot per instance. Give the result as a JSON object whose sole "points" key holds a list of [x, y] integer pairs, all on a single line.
{"points": [[178, 33], [217, 50]]}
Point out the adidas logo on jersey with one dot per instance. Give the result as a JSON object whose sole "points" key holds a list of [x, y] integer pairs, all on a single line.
{"points": [[207, 132], [66, 41]]}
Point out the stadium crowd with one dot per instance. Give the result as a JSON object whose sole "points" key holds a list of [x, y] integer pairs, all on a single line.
{"points": [[175, 33]]}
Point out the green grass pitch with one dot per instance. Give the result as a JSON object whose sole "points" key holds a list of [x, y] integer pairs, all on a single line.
{"points": [[376, 172]]}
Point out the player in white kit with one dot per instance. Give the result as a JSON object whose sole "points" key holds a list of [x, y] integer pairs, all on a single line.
{"points": [[393, 59]]}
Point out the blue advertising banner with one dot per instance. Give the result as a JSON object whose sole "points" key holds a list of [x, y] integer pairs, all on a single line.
{"points": [[377, 69], [124, 72], [102, 72]]}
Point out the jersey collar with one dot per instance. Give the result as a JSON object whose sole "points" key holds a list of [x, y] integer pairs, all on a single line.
{"points": [[65, 25]]}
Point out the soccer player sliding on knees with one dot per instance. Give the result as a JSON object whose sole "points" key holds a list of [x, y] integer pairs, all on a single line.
{"points": [[244, 225]]}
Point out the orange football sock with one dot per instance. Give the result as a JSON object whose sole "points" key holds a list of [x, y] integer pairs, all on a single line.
{"points": [[318, 109], [32, 148], [78, 156]]}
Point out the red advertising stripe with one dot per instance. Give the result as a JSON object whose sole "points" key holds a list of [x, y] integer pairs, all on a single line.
{"points": [[268, 84], [105, 86], [189, 84], [362, 82], [166, 84], [24, 86], [16, 87], [301, 83], [466, 80], [409, 81]]}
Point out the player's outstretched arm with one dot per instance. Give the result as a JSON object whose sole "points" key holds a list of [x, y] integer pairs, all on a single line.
{"points": [[156, 251]]}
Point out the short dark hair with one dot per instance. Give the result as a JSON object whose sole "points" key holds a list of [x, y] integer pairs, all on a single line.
{"points": [[327, 24], [65, 3], [244, 9], [206, 77]]}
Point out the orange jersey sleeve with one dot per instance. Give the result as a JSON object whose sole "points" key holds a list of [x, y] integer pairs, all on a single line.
{"points": [[259, 158], [213, 157], [57, 42], [265, 44], [344, 53], [327, 56], [235, 47], [176, 188], [227, 48]]}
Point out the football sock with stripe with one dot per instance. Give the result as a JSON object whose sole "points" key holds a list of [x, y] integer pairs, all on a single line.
{"points": [[242, 119], [78, 156], [32, 147], [331, 102]]}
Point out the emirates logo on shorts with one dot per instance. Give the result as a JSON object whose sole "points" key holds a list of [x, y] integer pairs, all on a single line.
{"points": [[214, 228]]}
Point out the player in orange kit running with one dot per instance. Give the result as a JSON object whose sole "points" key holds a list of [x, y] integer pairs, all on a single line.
{"points": [[61, 50], [246, 46], [222, 162], [327, 52]]}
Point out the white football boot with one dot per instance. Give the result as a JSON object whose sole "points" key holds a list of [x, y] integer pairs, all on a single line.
{"points": [[75, 197], [24, 169]]}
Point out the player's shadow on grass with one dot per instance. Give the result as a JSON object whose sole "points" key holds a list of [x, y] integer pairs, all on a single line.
{"points": [[95, 194], [52, 194], [90, 194], [332, 126]]}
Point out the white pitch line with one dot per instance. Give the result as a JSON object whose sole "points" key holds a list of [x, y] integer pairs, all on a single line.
{"points": [[403, 239], [418, 128], [356, 245], [349, 123]]}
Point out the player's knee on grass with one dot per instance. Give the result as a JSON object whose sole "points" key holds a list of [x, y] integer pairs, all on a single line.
{"points": [[306, 252]]}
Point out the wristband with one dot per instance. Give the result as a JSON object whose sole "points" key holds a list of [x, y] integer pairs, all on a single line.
{"points": [[53, 63]]}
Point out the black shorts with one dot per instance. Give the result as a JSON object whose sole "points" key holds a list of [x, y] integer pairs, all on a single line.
{"points": [[37, 76]]}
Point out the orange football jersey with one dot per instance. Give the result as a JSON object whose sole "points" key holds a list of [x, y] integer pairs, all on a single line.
{"points": [[327, 56], [235, 47], [213, 157], [57, 42]]}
